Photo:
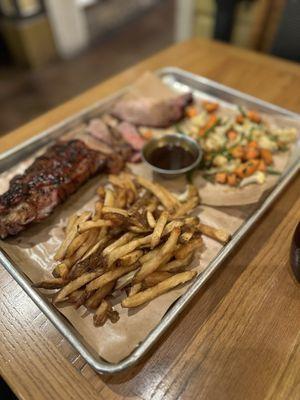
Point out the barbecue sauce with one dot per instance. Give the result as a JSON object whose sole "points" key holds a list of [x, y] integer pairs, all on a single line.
{"points": [[171, 157]]}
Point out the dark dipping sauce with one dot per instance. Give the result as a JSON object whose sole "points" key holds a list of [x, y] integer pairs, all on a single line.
{"points": [[171, 157]]}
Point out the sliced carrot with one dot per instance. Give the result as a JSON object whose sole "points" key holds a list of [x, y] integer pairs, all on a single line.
{"points": [[202, 131], [251, 168], [148, 135], [262, 166], [254, 116], [221, 177], [231, 134], [266, 155], [240, 119], [232, 180], [210, 106], [210, 123], [246, 169], [237, 152], [191, 111], [253, 144], [251, 153], [212, 120]]}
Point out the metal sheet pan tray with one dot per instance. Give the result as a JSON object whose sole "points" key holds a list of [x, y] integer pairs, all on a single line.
{"points": [[179, 80]]}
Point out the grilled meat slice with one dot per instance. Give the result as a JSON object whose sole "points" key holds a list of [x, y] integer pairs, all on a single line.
{"points": [[150, 112], [51, 178], [131, 136]]}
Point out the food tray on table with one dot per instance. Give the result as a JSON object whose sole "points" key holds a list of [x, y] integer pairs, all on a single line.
{"points": [[181, 82]]}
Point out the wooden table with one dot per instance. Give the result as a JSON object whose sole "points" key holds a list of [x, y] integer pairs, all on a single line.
{"points": [[240, 338]]}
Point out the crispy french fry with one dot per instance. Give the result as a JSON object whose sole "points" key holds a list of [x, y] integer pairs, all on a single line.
{"points": [[96, 246], [155, 291], [115, 210], [186, 236], [138, 230], [156, 277], [78, 297], [176, 265], [119, 242], [116, 181], [191, 191], [130, 197], [101, 314], [113, 316], [74, 285], [156, 191], [98, 210], [71, 233], [95, 299], [71, 223], [100, 223], [159, 227], [52, 283], [121, 199], [110, 276], [135, 288], [128, 179], [109, 199], [153, 203], [127, 248], [86, 246], [151, 219], [187, 248], [76, 243], [164, 254], [214, 233], [171, 226], [61, 270], [187, 207], [140, 202], [150, 254], [130, 258], [125, 280], [101, 193], [176, 204]]}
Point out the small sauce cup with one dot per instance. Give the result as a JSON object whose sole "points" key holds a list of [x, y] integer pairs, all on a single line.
{"points": [[172, 155]]}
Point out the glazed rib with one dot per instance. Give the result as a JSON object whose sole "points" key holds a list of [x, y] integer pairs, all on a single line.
{"points": [[48, 181]]}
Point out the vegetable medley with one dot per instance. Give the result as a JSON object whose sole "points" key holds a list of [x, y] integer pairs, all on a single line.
{"points": [[238, 149]]}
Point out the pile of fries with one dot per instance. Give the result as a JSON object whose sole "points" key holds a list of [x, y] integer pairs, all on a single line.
{"points": [[140, 238]]}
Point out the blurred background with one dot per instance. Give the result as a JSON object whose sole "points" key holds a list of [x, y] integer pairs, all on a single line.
{"points": [[51, 50]]}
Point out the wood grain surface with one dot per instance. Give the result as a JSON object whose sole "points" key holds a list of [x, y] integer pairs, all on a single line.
{"points": [[240, 338]]}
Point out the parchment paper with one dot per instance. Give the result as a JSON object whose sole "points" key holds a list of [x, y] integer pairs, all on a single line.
{"points": [[33, 252]]}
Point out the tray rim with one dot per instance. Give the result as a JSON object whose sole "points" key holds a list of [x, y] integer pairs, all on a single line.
{"points": [[60, 322]]}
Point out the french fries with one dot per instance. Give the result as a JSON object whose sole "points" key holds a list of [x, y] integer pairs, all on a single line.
{"points": [[54, 283], [71, 232], [156, 190], [95, 299], [214, 233], [156, 277], [74, 285], [158, 229], [188, 248], [127, 248], [109, 277], [140, 239], [100, 223], [164, 254], [150, 219], [149, 294]]}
